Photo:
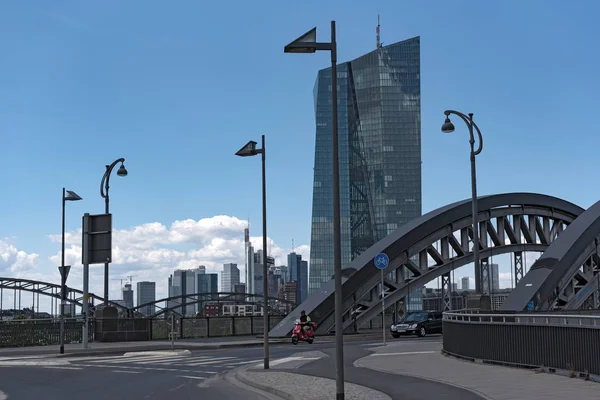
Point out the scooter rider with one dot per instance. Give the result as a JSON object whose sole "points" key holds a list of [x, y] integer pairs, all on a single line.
{"points": [[305, 319]]}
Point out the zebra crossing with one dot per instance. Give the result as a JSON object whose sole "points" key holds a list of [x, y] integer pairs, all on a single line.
{"points": [[163, 361]]}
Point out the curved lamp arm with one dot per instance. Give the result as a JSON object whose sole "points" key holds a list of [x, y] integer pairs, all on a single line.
{"points": [[470, 124], [106, 177]]}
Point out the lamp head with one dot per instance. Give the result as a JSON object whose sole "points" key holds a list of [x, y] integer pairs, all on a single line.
{"points": [[448, 126], [122, 171], [72, 196], [248, 150]]}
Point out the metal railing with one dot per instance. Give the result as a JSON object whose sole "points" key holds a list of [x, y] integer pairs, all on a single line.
{"points": [[41, 332], [556, 341], [205, 327]]}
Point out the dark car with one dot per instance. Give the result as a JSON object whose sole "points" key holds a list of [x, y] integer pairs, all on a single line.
{"points": [[418, 323]]}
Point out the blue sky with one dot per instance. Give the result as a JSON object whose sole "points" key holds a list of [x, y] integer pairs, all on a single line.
{"points": [[177, 89]]}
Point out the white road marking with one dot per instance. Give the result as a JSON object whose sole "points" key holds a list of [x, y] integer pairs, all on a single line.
{"points": [[126, 372], [210, 361], [243, 362], [48, 367], [191, 377], [289, 359], [402, 354]]}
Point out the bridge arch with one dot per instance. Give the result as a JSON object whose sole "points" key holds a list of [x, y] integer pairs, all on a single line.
{"points": [[566, 275], [433, 245], [51, 290]]}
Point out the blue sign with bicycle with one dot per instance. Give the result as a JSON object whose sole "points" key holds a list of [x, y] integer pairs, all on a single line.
{"points": [[382, 261]]}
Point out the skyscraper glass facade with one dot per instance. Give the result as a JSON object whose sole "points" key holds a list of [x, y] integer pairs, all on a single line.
{"points": [[379, 126]]}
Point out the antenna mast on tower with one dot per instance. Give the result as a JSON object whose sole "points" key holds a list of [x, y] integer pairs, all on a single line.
{"points": [[378, 31]]}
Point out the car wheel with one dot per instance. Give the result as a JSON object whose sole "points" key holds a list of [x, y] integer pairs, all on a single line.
{"points": [[422, 332]]}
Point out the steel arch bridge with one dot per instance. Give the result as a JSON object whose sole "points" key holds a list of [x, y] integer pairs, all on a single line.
{"points": [[566, 275], [434, 245], [173, 303], [74, 296]]}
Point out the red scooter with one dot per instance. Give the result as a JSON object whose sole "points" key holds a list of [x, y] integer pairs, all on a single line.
{"points": [[301, 334]]}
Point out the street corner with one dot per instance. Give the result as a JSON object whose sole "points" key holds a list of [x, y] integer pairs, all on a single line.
{"points": [[288, 385]]}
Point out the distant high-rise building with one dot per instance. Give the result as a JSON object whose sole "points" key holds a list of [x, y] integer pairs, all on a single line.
{"points": [[275, 280], [249, 261], [259, 271], [128, 295], [454, 287], [288, 292], [208, 283], [298, 271], [494, 277], [239, 288], [379, 111], [464, 282], [181, 283], [229, 277], [146, 293]]}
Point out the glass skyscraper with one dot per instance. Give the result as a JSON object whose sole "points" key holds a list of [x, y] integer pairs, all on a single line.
{"points": [[379, 117]]}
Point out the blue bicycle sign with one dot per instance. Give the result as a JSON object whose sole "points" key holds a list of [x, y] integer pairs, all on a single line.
{"points": [[382, 261]]}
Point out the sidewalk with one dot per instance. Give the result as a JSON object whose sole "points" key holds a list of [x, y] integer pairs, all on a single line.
{"points": [[121, 347], [290, 386], [488, 381]]}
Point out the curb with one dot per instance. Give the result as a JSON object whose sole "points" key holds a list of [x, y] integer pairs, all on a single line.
{"points": [[240, 375]]}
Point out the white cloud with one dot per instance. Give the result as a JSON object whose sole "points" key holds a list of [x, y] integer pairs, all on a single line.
{"points": [[14, 260], [152, 251]]}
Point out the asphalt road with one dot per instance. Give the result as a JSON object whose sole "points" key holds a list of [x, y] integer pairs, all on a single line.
{"points": [[398, 387], [201, 374], [146, 375]]}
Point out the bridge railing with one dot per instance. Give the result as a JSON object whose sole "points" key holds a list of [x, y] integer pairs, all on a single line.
{"points": [[555, 341], [41, 332], [205, 327]]}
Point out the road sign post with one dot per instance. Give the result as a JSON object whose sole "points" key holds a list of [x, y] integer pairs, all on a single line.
{"points": [[96, 249], [382, 261], [64, 273]]}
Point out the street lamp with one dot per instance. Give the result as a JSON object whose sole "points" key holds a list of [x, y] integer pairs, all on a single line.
{"points": [[307, 43], [448, 127], [104, 193], [67, 195], [247, 151]]}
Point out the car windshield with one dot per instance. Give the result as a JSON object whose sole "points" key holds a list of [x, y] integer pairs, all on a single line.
{"points": [[414, 317]]}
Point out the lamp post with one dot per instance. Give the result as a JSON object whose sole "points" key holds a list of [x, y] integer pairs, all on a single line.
{"points": [[247, 151], [67, 195], [307, 43], [448, 127], [104, 193]]}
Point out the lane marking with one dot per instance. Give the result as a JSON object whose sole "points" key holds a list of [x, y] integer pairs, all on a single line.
{"points": [[289, 359], [402, 354], [211, 361], [49, 367], [126, 372], [191, 377]]}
